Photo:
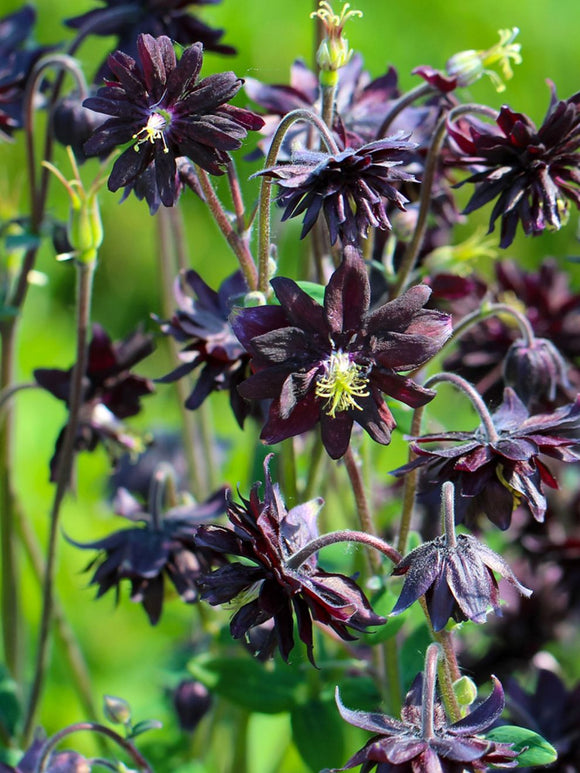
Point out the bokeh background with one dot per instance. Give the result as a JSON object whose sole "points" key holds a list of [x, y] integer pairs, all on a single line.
{"points": [[125, 655]]}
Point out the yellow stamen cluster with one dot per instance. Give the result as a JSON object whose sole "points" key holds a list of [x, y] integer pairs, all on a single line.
{"points": [[469, 66], [152, 131], [333, 22], [334, 51], [343, 382]]}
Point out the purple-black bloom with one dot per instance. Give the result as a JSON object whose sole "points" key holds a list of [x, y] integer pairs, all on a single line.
{"points": [[112, 393], [58, 762], [264, 586], [531, 173], [201, 324], [127, 19], [158, 106], [417, 743], [164, 546], [457, 579], [16, 63], [351, 188], [332, 363], [494, 474]]}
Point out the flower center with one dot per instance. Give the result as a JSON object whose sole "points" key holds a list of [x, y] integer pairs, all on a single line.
{"points": [[153, 130], [343, 381]]}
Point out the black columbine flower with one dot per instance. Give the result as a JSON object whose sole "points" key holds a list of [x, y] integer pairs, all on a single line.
{"points": [[332, 363], [350, 187], [16, 63], [494, 474], [165, 546], [58, 762], [158, 106], [456, 577], [424, 741], [112, 393], [127, 19], [201, 324], [532, 173], [264, 587]]}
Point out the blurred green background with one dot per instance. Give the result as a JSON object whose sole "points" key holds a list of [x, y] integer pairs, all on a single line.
{"points": [[126, 657]]}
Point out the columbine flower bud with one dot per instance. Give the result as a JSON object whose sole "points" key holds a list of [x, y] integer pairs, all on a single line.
{"points": [[192, 701], [334, 51], [470, 66], [535, 370], [116, 710], [465, 690]]}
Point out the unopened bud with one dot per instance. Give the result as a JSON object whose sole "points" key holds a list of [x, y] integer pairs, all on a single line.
{"points": [[192, 701], [116, 710], [334, 51], [465, 690], [470, 66]]}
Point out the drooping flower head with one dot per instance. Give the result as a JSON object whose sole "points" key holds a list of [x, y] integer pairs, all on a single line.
{"points": [[350, 188], [164, 546], [264, 587], [531, 173], [494, 474], [201, 324], [16, 63], [112, 393], [127, 19], [158, 105], [423, 740], [57, 762], [332, 363]]}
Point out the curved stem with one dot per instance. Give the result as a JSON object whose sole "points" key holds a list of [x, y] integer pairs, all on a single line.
{"points": [[495, 310], [239, 247], [344, 535], [92, 727], [413, 248], [423, 90], [266, 186], [162, 486], [409, 486], [85, 273], [237, 200], [9, 392], [473, 395]]}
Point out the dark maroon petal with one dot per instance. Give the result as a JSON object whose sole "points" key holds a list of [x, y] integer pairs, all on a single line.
{"points": [[396, 315], [335, 432], [373, 722], [300, 309], [347, 295], [302, 419], [420, 568]]}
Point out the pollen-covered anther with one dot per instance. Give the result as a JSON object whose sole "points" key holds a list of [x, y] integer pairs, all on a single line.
{"points": [[343, 381], [153, 130]]}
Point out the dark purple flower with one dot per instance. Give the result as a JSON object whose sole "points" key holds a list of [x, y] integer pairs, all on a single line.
{"points": [[201, 324], [457, 580], [531, 173], [333, 363], [553, 711], [165, 546], [535, 370], [16, 63], [494, 474], [159, 107], [266, 535], [415, 744], [552, 310], [192, 700], [127, 19], [112, 393], [58, 762], [350, 188], [73, 124]]}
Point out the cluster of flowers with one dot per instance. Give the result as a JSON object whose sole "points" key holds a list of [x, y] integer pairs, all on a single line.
{"points": [[339, 353]]}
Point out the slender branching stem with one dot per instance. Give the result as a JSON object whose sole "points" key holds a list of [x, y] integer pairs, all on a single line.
{"points": [[495, 310], [413, 248], [266, 186], [343, 535], [237, 200], [448, 513], [361, 500], [474, 397], [179, 238], [91, 727], [85, 273], [161, 490], [409, 487], [235, 241], [423, 90], [8, 393]]}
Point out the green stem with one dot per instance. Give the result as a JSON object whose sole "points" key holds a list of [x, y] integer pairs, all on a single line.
{"points": [[423, 90], [361, 501], [237, 200], [473, 395], [343, 535], [494, 310], [266, 186], [289, 473], [413, 248], [238, 245], [85, 274], [409, 487]]}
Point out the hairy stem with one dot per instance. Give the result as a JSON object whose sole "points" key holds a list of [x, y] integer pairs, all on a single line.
{"points": [[473, 395], [423, 90], [409, 487], [495, 310], [343, 535]]}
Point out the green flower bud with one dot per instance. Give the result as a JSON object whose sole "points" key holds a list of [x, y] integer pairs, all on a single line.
{"points": [[334, 51], [116, 710], [465, 690]]}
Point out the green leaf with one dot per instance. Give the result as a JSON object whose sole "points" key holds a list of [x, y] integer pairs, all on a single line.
{"points": [[10, 709], [317, 732], [269, 688], [314, 290], [537, 751], [144, 726]]}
